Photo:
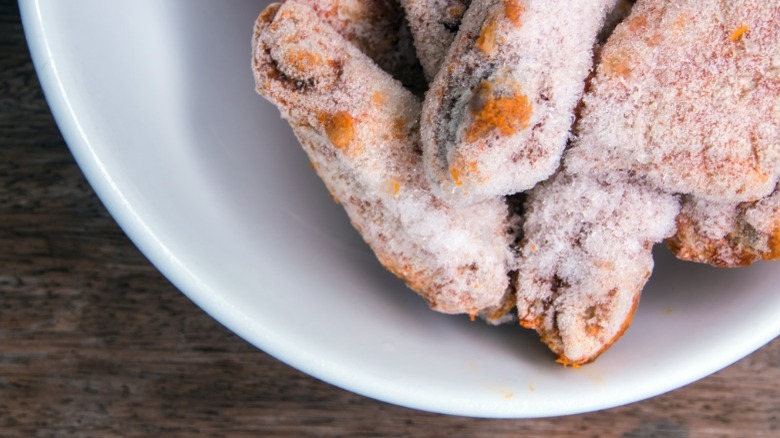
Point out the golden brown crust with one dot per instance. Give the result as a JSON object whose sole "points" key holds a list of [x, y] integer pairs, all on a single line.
{"points": [[728, 235], [434, 24], [691, 245]]}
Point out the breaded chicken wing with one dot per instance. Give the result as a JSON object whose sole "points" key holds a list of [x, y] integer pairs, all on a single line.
{"points": [[497, 117], [684, 105], [360, 130], [586, 255], [687, 96]]}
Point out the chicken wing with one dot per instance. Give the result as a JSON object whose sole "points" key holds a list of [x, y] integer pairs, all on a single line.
{"points": [[498, 116], [360, 130], [586, 255], [684, 105], [688, 96]]}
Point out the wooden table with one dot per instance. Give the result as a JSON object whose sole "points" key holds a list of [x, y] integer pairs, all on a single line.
{"points": [[94, 341]]}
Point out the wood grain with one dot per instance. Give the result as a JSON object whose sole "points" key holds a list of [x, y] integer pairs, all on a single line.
{"points": [[95, 342]]}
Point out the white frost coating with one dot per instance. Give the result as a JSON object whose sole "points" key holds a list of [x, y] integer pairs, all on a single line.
{"points": [[585, 258], [684, 95], [714, 220]]}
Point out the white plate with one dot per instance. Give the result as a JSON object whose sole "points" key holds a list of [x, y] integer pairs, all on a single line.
{"points": [[157, 102]]}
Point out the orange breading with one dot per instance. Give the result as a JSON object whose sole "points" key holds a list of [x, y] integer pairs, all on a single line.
{"points": [[774, 244], [487, 38], [636, 23], [514, 10], [738, 33], [379, 98], [396, 188], [616, 65], [340, 128], [455, 173], [507, 115]]}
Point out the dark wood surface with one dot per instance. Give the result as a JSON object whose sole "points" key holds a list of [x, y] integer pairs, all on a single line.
{"points": [[94, 341]]}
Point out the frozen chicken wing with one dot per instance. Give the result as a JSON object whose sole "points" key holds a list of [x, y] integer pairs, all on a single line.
{"points": [[585, 257], [497, 117], [688, 96], [379, 29], [360, 130], [464, 196], [683, 109]]}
